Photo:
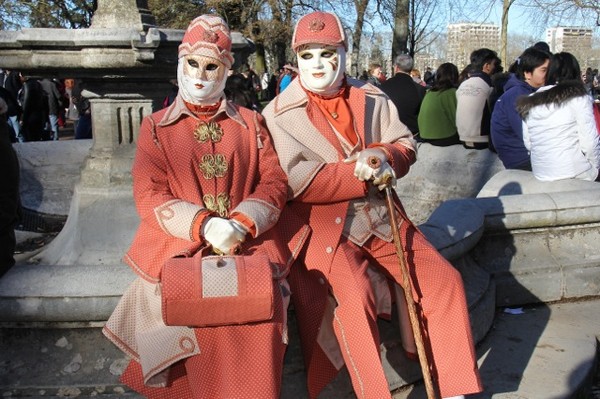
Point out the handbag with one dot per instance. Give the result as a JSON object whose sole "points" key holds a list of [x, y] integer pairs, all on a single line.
{"points": [[216, 290]]}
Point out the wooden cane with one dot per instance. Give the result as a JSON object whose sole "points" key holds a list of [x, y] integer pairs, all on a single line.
{"points": [[407, 286]]}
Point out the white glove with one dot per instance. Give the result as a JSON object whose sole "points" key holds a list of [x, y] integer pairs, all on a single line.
{"points": [[371, 164], [384, 176], [223, 234]]}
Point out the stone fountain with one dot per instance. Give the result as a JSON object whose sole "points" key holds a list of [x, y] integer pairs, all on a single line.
{"points": [[125, 64], [513, 240]]}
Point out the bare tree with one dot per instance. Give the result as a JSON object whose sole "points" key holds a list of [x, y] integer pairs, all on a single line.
{"points": [[587, 11], [401, 27], [176, 14], [16, 14], [423, 29], [413, 23], [13, 15], [361, 9], [504, 31]]}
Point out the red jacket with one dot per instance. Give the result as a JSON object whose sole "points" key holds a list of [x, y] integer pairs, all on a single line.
{"points": [[177, 177]]}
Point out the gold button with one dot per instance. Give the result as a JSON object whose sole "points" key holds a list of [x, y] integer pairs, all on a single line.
{"points": [[334, 115]]}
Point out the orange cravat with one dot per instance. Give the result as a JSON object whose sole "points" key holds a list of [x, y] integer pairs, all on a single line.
{"points": [[338, 113], [204, 112]]}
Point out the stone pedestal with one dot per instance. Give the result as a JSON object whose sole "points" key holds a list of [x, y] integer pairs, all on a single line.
{"points": [[111, 13], [102, 218]]}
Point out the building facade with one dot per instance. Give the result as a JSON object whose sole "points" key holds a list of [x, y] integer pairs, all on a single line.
{"points": [[574, 40], [463, 38]]}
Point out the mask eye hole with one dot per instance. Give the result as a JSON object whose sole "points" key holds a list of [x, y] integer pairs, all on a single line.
{"points": [[212, 67], [193, 63], [327, 54], [306, 56]]}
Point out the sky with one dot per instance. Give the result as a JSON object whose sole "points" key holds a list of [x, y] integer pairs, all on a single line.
{"points": [[520, 21]]}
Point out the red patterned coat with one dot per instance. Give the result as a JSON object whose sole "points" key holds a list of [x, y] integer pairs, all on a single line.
{"points": [[183, 168], [349, 231]]}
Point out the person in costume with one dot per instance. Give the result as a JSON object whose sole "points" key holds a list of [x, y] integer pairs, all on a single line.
{"points": [[205, 176], [326, 127]]}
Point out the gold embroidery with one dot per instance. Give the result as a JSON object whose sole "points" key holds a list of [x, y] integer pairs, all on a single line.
{"points": [[220, 204], [213, 166], [208, 131], [316, 25]]}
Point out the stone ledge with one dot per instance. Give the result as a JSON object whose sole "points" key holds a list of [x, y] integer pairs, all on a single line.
{"points": [[62, 293]]}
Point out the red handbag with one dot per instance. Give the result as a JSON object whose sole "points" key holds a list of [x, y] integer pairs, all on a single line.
{"points": [[217, 290]]}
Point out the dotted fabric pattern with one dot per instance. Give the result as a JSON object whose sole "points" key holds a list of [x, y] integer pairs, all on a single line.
{"points": [[166, 168], [318, 27], [247, 359], [236, 362], [136, 327], [438, 289], [221, 290], [219, 279], [332, 264]]}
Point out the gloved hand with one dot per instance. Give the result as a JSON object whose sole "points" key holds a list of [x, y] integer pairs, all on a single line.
{"points": [[371, 164], [223, 234], [383, 176]]}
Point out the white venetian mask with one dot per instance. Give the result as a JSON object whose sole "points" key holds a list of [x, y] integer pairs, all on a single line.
{"points": [[201, 79], [321, 67]]}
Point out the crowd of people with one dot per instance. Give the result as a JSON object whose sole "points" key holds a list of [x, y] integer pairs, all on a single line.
{"points": [[38, 108], [484, 107]]}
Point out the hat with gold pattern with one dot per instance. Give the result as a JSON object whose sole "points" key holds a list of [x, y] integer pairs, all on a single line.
{"points": [[320, 28], [208, 35]]}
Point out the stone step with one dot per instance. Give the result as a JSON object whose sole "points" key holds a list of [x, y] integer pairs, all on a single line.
{"points": [[547, 351]]}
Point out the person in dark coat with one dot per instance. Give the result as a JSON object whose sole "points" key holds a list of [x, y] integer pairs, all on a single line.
{"points": [[507, 126], [9, 195], [13, 84], [35, 109], [54, 103], [406, 95], [83, 130], [13, 113]]}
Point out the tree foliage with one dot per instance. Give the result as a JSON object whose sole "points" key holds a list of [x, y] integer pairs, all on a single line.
{"points": [[176, 14], [269, 23], [46, 14]]}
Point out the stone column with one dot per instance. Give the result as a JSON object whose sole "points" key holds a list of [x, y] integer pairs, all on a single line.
{"points": [[125, 65], [102, 217], [111, 13]]}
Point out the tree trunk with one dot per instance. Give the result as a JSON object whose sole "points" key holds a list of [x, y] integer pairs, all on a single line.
{"points": [[260, 65], [400, 40], [282, 24], [361, 7], [504, 32]]}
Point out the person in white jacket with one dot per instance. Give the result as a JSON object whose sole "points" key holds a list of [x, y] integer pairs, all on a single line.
{"points": [[559, 128]]}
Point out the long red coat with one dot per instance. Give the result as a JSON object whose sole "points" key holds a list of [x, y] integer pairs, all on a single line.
{"points": [[350, 243], [182, 170]]}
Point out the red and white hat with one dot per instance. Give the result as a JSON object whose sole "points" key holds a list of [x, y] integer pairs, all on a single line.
{"points": [[208, 35], [320, 28]]}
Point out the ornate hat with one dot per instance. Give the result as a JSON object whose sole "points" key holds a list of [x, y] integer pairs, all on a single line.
{"points": [[208, 35], [321, 28]]}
